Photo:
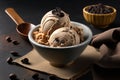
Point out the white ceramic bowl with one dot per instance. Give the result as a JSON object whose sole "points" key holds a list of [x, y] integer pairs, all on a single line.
{"points": [[63, 55]]}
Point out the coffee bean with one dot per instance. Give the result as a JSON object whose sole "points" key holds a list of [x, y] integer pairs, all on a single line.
{"points": [[53, 77], [99, 9], [8, 38], [25, 61], [15, 42], [36, 76], [14, 53], [9, 60], [13, 76]]}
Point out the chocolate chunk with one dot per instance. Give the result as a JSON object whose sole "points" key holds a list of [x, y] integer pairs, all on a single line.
{"points": [[13, 76], [14, 53], [36, 76], [8, 38], [15, 42], [61, 15], [9, 60], [25, 61], [58, 12], [62, 41], [57, 40]]}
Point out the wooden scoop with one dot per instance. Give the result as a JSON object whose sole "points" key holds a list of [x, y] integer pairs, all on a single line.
{"points": [[22, 28]]}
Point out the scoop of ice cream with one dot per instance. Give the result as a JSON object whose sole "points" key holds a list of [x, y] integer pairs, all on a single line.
{"points": [[65, 36], [53, 20]]}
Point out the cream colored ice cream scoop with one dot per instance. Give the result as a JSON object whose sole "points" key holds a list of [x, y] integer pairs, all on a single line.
{"points": [[64, 36], [53, 20]]}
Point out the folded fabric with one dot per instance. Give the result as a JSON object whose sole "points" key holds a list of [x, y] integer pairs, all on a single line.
{"points": [[111, 57], [78, 68], [108, 44], [110, 38]]}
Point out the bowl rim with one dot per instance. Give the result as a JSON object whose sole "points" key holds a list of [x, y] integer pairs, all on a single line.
{"points": [[84, 10], [30, 37]]}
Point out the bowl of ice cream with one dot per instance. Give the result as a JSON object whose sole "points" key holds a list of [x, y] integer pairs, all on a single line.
{"points": [[62, 45], [99, 15]]}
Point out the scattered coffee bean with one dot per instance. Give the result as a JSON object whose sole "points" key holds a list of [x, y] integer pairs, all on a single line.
{"points": [[9, 60], [15, 42], [8, 38], [53, 77], [13, 76], [36, 76], [14, 53], [25, 61]]}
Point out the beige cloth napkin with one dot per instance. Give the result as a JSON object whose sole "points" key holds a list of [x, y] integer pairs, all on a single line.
{"points": [[89, 56]]}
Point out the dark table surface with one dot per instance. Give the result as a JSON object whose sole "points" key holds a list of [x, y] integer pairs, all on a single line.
{"points": [[32, 11]]}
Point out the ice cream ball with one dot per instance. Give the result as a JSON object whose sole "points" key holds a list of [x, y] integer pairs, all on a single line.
{"points": [[64, 36], [53, 20]]}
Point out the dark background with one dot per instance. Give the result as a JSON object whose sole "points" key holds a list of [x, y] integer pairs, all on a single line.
{"points": [[32, 11]]}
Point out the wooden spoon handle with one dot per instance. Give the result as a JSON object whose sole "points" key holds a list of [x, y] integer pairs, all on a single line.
{"points": [[14, 16]]}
